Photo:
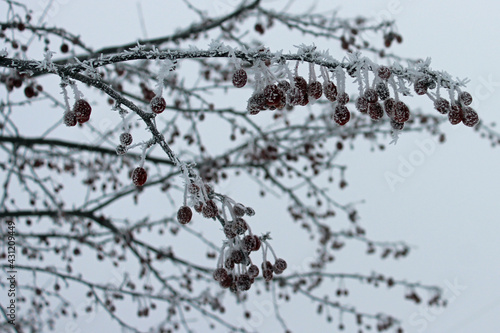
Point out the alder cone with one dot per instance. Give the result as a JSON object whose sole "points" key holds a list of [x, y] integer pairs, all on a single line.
{"points": [[469, 116], [139, 176], [239, 78], [341, 115], [184, 215], [82, 110], [315, 90]]}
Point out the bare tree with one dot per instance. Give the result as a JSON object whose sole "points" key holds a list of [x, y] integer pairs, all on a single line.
{"points": [[138, 191]]}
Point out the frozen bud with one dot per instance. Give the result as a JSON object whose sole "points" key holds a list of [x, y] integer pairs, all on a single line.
{"points": [[139, 176], [198, 206], [240, 226], [272, 95], [239, 78], [279, 266], [343, 98], [70, 119], [229, 263], [300, 83], [184, 215], [442, 105], [384, 73], [382, 91], [362, 104], [249, 211], [284, 85], [253, 271], [330, 91], [375, 111], [469, 116], [420, 86], [158, 104], [248, 243], [315, 89], [389, 105], [465, 98], [210, 209], [227, 282], [82, 111], [341, 115], [267, 274], [455, 115], [401, 112], [237, 256], [126, 139], [397, 126], [229, 231], [267, 265], [244, 283], [257, 243], [239, 210], [121, 150], [220, 274], [370, 95]]}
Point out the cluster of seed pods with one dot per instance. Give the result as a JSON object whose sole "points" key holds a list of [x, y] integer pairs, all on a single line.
{"points": [[374, 99]]}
